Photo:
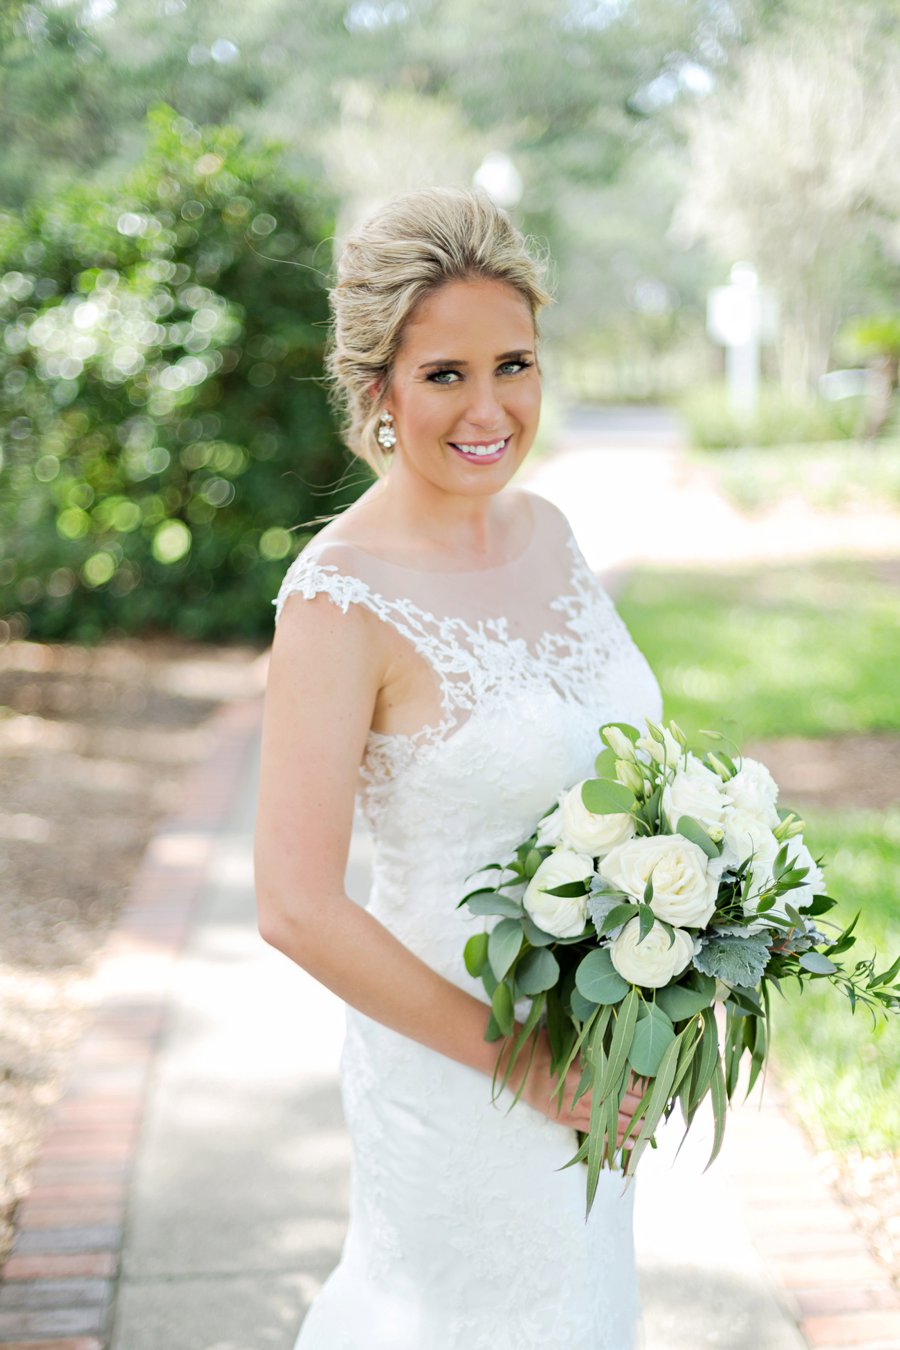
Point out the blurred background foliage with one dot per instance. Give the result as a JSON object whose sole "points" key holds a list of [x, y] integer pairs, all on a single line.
{"points": [[173, 174], [161, 368]]}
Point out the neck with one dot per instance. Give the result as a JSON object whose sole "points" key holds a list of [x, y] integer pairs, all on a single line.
{"points": [[445, 522]]}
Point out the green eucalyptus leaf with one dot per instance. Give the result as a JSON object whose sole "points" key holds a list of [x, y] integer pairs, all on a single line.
{"points": [[817, 963], [475, 953], [537, 971], [533, 860], [502, 1006], [652, 1037], [598, 980], [647, 919], [605, 764], [606, 797], [536, 936], [678, 1001], [504, 945], [582, 1007], [492, 902]]}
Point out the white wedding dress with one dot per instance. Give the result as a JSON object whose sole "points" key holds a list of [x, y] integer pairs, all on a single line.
{"points": [[463, 1233]]}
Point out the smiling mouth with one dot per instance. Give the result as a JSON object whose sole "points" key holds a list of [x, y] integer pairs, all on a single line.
{"points": [[484, 451]]}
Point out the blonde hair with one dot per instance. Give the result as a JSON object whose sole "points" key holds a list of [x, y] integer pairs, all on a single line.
{"points": [[387, 267]]}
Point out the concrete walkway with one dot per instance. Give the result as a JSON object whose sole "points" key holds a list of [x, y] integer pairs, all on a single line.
{"points": [[237, 1205]]}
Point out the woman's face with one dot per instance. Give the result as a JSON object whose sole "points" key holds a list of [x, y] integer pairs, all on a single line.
{"points": [[465, 391]]}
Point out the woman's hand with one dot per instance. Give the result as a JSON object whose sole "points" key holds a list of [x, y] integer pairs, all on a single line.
{"points": [[540, 1092]]}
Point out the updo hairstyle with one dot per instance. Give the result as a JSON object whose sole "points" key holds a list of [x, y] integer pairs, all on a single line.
{"points": [[388, 266]]}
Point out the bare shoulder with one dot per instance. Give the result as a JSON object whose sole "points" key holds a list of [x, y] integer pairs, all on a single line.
{"points": [[545, 511]]}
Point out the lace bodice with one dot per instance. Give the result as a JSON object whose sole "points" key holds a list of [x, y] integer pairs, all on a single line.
{"points": [[527, 658], [456, 1205]]}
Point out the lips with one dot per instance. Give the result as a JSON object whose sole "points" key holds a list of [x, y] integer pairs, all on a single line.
{"points": [[481, 452]]}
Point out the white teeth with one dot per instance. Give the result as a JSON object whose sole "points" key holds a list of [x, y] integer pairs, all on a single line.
{"points": [[482, 449]]}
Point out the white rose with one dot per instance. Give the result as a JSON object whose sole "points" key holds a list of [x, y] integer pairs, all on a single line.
{"points": [[651, 962], [761, 876], [669, 753], [563, 916], [695, 791], [585, 832], [745, 834], [754, 790], [684, 889], [549, 830]]}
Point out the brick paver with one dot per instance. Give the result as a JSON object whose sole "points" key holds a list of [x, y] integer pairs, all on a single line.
{"points": [[59, 1283]]}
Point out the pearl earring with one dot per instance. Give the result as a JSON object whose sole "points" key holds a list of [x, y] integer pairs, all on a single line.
{"points": [[386, 435]]}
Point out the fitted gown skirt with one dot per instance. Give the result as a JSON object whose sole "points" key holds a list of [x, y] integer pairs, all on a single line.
{"points": [[463, 1233]]}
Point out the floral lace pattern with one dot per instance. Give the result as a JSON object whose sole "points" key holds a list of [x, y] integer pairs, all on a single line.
{"points": [[464, 1234]]}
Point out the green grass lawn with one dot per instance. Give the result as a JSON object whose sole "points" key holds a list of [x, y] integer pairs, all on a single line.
{"points": [[806, 650]]}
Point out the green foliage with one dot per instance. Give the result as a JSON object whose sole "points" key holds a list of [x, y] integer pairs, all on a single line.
{"points": [[163, 423], [845, 1080], [839, 476], [871, 335], [779, 420], [772, 651]]}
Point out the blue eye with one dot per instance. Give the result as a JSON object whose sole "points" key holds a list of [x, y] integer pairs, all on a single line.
{"points": [[436, 376], [515, 366]]}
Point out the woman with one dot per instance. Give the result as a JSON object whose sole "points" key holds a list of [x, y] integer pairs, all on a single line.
{"points": [[444, 652]]}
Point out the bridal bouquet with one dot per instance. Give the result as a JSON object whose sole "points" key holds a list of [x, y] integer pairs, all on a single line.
{"points": [[667, 885]]}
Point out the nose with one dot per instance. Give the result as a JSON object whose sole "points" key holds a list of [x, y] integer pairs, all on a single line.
{"points": [[485, 409]]}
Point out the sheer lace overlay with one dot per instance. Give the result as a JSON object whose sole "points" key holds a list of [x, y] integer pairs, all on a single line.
{"points": [[462, 1232]]}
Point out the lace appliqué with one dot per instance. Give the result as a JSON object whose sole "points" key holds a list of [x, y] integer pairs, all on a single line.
{"points": [[472, 662]]}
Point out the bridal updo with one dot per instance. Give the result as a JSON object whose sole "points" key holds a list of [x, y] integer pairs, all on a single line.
{"points": [[387, 267]]}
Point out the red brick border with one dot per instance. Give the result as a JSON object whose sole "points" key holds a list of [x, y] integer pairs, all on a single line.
{"points": [[838, 1293], [59, 1282]]}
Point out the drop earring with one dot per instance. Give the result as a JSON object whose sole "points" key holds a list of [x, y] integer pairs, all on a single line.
{"points": [[386, 435]]}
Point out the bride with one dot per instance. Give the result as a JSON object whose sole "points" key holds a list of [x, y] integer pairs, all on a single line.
{"points": [[443, 658]]}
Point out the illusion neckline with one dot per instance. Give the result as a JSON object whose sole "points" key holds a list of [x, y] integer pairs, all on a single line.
{"points": [[455, 571]]}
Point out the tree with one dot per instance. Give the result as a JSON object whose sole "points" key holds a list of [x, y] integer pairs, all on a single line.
{"points": [[794, 165], [164, 424]]}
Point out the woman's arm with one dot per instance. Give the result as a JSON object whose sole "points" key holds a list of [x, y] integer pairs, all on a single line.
{"points": [[325, 673]]}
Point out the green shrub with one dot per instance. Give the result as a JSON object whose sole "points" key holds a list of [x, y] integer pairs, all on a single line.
{"points": [[163, 422], [712, 425]]}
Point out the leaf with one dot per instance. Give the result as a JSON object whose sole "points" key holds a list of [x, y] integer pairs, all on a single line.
{"points": [[605, 764], [533, 860], [582, 1007], [606, 797], [492, 902], [620, 1045], [598, 980], [536, 936], [717, 1083], [817, 963], [537, 971], [738, 960], [652, 1037], [475, 953], [504, 945], [647, 920], [820, 904], [678, 1001], [708, 1050], [616, 916], [502, 1006], [568, 889], [692, 829], [493, 1032], [659, 1098]]}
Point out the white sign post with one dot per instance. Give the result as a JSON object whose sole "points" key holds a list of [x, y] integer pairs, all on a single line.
{"points": [[740, 316]]}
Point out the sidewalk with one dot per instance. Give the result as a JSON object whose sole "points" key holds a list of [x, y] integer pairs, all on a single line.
{"points": [[225, 1148]]}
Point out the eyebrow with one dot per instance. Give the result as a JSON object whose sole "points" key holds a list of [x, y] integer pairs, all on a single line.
{"points": [[452, 361]]}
